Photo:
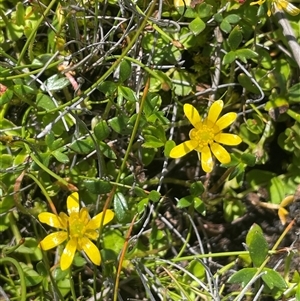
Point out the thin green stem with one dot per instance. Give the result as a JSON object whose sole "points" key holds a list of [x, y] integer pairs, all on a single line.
{"points": [[35, 30], [72, 285], [109, 71], [34, 157], [9, 260], [22, 74], [15, 230], [134, 132]]}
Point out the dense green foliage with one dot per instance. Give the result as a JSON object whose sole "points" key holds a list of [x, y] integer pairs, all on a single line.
{"points": [[91, 100]]}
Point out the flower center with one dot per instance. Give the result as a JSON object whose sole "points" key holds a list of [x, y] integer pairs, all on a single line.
{"points": [[203, 134], [76, 226]]}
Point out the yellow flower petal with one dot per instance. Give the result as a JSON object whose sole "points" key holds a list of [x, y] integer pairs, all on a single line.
{"points": [[260, 2], [50, 219], [226, 120], [287, 200], [95, 222], [288, 7], [90, 250], [228, 139], [220, 153], [53, 240], [215, 110], [68, 254], [84, 215], [73, 203], [64, 219], [183, 149], [192, 114], [179, 3], [282, 214], [92, 234], [206, 159]]}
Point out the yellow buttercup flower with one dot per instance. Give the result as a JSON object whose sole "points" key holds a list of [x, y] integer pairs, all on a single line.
{"points": [[77, 228], [279, 4], [207, 135]]}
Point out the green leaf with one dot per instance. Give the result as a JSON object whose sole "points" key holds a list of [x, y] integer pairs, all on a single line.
{"points": [[152, 142], [49, 140], [169, 145], [264, 58], [107, 151], [273, 279], [41, 269], [6, 161], [120, 207], [185, 10], [4, 218], [196, 269], [6, 203], [58, 143], [248, 159], [225, 26], [233, 209], [23, 92], [229, 57], [142, 205], [6, 97], [108, 88], [294, 93], [277, 190], [255, 125], [113, 240], [246, 82], [20, 13], [31, 248], [245, 54], [120, 124], [204, 10], [165, 81], [243, 276], [148, 155], [125, 71], [197, 188], [218, 17], [199, 206], [2, 39], [64, 286], [56, 83], [32, 278], [9, 128], [78, 261], [298, 292], [101, 130], [127, 93], [42, 59], [45, 102], [83, 147], [154, 196], [185, 201], [60, 157], [235, 38], [14, 32], [257, 245], [232, 18], [183, 82], [197, 26], [97, 186]]}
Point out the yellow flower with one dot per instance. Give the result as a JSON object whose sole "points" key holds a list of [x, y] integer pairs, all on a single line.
{"points": [[279, 4], [207, 134], [77, 228]]}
